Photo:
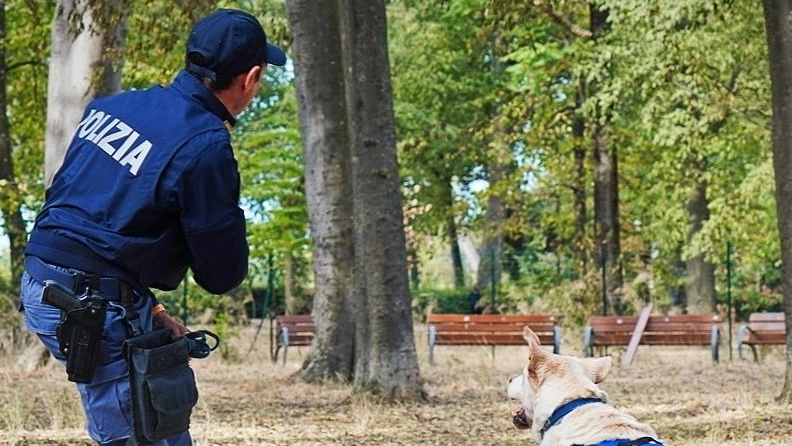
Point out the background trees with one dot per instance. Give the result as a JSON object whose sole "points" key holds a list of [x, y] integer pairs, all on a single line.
{"points": [[506, 113]]}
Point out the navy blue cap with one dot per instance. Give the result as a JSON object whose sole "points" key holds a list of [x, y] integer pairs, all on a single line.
{"points": [[228, 42]]}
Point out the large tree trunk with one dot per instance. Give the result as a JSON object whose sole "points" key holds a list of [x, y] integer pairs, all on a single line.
{"points": [[386, 361], [87, 54], [700, 283], [778, 21], [319, 69], [86, 61], [341, 61]]}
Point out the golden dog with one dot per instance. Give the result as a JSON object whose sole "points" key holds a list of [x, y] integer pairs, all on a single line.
{"points": [[562, 404]]}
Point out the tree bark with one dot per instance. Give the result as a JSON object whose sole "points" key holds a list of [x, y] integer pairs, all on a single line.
{"points": [[364, 315], [579, 245], [606, 211], [386, 361], [87, 56], [453, 238], [778, 23], [319, 78], [700, 283], [86, 61], [606, 191], [293, 304], [10, 195]]}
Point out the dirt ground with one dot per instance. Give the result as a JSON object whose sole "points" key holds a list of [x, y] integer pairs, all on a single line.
{"points": [[678, 390]]}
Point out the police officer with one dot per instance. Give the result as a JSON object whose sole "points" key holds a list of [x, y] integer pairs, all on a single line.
{"points": [[148, 188]]}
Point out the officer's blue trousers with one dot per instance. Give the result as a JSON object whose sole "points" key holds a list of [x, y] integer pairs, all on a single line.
{"points": [[107, 399]]}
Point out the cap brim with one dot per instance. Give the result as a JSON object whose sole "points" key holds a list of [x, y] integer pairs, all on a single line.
{"points": [[275, 55]]}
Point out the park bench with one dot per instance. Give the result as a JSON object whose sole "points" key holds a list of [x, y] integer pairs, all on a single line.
{"points": [[765, 328], [491, 329], [683, 329], [292, 330]]}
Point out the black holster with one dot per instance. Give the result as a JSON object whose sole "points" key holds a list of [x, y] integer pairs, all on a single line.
{"points": [[79, 333], [162, 385]]}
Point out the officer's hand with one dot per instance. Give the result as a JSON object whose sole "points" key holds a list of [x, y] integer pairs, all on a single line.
{"points": [[165, 320]]}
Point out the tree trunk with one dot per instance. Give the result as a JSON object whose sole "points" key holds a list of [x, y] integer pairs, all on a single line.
{"points": [[499, 169], [453, 238], [87, 54], [700, 289], [489, 270], [606, 211], [10, 195], [386, 361], [606, 190], [293, 305], [319, 78], [362, 306], [579, 245], [778, 22], [86, 61]]}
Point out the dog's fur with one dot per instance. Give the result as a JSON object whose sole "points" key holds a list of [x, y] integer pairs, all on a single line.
{"points": [[548, 381]]}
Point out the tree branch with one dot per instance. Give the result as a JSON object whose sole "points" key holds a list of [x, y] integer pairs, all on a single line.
{"points": [[13, 66], [563, 21]]}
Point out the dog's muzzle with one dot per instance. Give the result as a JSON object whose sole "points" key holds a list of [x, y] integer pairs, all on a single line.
{"points": [[520, 420]]}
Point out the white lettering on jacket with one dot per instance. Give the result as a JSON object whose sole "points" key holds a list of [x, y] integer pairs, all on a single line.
{"points": [[115, 138]]}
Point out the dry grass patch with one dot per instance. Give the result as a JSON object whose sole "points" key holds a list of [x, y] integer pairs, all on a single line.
{"points": [[678, 390]]}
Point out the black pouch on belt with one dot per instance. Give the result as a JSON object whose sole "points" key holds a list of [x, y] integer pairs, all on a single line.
{"points": [[162, 385]]}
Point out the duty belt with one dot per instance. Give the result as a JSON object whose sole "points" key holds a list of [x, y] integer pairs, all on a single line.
{"points": [[109, 288]]}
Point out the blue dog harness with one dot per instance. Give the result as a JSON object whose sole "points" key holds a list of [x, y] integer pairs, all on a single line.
{"points": [[564, 409]]}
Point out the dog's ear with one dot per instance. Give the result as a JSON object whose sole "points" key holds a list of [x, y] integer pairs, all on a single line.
{"points": [[536, 357], [597, 368], [531, 338]]}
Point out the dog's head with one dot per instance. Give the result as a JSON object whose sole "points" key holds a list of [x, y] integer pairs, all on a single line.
{"points": [[548, 380]]}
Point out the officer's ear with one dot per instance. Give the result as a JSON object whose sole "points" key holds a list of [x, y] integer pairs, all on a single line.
{"points": [[252, 78]]}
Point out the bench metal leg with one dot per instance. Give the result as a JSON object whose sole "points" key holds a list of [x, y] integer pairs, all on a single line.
{"points": [[275, 354], [285, 342], [432, 334], [557, 340], [588, 336], [714, 343], [742, 335]]}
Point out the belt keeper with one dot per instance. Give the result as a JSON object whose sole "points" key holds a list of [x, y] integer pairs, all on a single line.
{"points": [[159, 308]]}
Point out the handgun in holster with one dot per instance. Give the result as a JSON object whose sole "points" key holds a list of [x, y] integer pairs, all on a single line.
{"points": [[79, 330]]}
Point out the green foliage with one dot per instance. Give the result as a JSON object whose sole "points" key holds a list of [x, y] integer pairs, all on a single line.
{"points": [[440, 300], [684, 84], [226, 331]]}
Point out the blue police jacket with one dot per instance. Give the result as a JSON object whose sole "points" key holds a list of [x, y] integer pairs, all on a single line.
{"points": [[148, 188]]}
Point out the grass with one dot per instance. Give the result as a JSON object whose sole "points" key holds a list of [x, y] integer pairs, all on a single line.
{"points": [[677, 390]]}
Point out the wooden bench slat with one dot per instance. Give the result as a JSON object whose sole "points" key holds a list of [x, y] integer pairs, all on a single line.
{"points": [[477, 328], [486, 339], [776, 316], [490, 329], [300, 329], [438, 318], [763, 328], [695, 329]]}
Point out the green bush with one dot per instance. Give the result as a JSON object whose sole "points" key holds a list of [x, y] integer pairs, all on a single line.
{"points": [[448, 300]]}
